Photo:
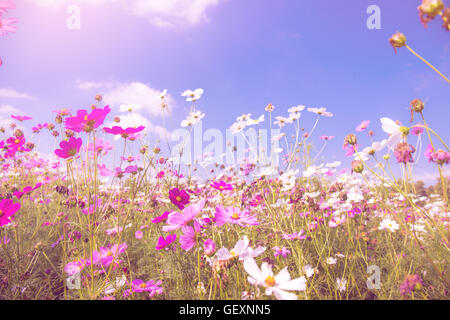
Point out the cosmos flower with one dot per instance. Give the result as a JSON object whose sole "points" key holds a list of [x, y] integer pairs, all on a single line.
{"points": [[389, 224], [177, 220], [165, 242], [274, 284], [363, 126], [189, 237], [7, 211], [69, 148], [5, 5], [221, 186], [284, 252], [20, 118], [110, 254], [125, 133], [241, 250], [87, 122], [193, 95], [395, 134], [178, 197], [234, 215]]}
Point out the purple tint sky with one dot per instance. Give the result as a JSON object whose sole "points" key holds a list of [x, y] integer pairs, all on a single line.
{"points": [[245, 55]]}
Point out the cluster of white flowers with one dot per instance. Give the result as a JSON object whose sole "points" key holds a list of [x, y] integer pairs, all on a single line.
{"points": [[245, 121], [193, 118]]}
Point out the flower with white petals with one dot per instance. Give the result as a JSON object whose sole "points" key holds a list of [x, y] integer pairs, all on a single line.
{"points": [[193, 95], [274, 284], [320, 112], [241, 250], [395, 135]]}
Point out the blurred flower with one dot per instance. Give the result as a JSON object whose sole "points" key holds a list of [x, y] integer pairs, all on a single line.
{"points": [[7, 211], [274, 284], [178, 220], [165, 242], [410, 284], [363, 126], [429, 9], [403, 152]]}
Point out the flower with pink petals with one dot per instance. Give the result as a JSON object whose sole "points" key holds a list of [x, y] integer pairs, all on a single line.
{"points": [[7, 211], [69, 148], [234, 215], [177, 220]]}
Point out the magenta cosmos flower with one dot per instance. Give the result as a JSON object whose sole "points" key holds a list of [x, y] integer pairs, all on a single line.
{"points": [[165, 242], [125, 133], [69, 148], [222, 185], [138, 286], [87, 122], [27, 190], [7, 210], [21, 118], [235, 216], [179, 197], [178, 220]]}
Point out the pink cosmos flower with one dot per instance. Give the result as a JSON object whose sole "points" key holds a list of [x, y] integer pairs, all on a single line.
{"points": [[363, 126], [138, 234], [5, 5], [87, 122], [281, 251], [105, 172], [326, 138], [222, 185], [123, 132], [21, 118], [165, 242], [5, 25], [101, 146], [235, 216], [162, 217], [138, 286], [296, 235], [417, 131], [7, 210], [209, 247], [179, 197], [27, 190], [69, 148], [189, 237], [110, 254], [178, 220]]}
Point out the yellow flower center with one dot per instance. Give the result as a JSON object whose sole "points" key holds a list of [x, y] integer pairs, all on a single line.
{"points": [[85, 118], [178, 198], [270, 281], [16, 141], [143, 285], [109, 254], [235, 216], [233, 253], [1, 213]]}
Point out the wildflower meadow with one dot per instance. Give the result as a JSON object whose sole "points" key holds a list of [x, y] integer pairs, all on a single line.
{"points": [[96, 203]]}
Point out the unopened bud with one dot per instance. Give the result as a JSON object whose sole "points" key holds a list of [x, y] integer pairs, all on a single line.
{"points": [[397, 40], [357, 166], [98, 97]]}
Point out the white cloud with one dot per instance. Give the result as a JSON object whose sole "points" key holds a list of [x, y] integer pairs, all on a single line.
{"points": [[11, 93], [431, 177], [133, 93], [161, 13]]}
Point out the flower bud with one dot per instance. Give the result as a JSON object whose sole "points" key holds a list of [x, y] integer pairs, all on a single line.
{"points": [[416, 105], [58, 119], [116, 119], [357, 166], [50, 126], [429, 9], [350, 139], [98, 97], [397, 40], [18, 133], [156, 150], [270, 107]]}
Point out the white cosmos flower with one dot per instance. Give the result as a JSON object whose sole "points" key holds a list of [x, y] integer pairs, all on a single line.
{"points": [[294, 116], [193, 95], [310, 271], [341, 284], [244, 117], [296, 109], [274, 284], [129, 107], [238, 127], [395, 135], [333, 164], [331, 260], [240, 250], [163, 94], [320, 112], [388, 224], [251, 122], [281, 121]]}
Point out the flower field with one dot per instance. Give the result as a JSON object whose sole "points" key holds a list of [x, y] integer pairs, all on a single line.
{"points": [[108, 216]]}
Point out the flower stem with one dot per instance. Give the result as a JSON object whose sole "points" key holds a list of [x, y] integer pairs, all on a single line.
{"points": [[425, 61]]}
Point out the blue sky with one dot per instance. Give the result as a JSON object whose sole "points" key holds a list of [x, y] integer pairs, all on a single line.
{"points": [[244, 54]]}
